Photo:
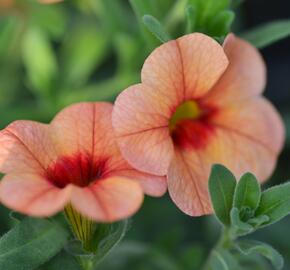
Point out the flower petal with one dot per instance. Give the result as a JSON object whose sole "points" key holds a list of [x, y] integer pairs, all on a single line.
{"points": [[32, 195], [25, 147], [247, 137], [254, 130], [152, 185], [187, 183], [140, 121], [108, 200], [84, 128], [244, 77], [186, 68]]}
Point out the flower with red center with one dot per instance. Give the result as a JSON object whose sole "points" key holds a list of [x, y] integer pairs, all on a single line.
{"points": [[73, 162], [198, 104]]}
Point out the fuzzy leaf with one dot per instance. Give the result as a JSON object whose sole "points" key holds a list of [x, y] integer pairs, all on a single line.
{"points": [[222, 185], [155, 27], [240, 227], [249, 247], [268, 34], [248, 192], [275, 203], [31, 243]]}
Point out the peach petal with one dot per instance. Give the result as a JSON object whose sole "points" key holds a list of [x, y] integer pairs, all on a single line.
{"points": [[108, 200], [248, 136], [256, 118], [187, 183], [140, 120], [152, 185], [25, 147], [32, 195], [244, 77], [84, 128], [186, 68]]}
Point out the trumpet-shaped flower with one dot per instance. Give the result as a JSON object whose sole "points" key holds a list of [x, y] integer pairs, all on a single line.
{"points": [[72, 162], [199, 103]]}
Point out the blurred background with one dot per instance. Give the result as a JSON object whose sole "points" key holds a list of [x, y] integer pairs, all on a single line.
{"points": [[90, 50]]}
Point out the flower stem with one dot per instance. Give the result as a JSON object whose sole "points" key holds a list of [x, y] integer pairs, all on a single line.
{"points": [[225, 242]]}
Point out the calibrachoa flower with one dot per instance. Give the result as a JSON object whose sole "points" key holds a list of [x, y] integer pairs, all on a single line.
{"points": [[199, 103], [72, 162]]}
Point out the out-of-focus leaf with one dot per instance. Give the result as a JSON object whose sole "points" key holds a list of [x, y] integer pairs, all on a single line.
{"points": [[129, 52], [142, 8], [103, 91], [268, 33], [248, 247], [223, 260], [192, 257], [30, 244], [155, 27], [247, 193], [83, 52], [275, 203], [221, 23], [108, 237], [39, 60], [61, 261], [113, 15], [8, 34], [190, 12], [51, 18], [222, 185]]}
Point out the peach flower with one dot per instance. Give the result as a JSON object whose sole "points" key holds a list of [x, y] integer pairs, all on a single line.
{"points": [[199, 103], [73, 161]]}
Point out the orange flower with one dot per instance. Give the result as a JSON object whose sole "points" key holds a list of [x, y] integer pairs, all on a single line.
{"points": [[73, 161], [199, 104]]}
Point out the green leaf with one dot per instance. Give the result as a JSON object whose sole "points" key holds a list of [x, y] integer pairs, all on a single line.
{"points": [[83, 52], [108, 236], [30, 244], [259, 221], [268, 34], [155, 27], [275, 203], [223, 260], [220, 25], [249, 247], [222, 185], [240, 228], [190, 13], [247, 193], [61, 261], [105, 239], [39, 60]]}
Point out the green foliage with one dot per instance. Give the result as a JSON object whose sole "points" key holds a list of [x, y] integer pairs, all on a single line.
{"points": [[249, 209], [275, 203], [31, 243], [268, 33], [155, 27], [247, 193], [39, 60], [212, 17], [105, 239], [83, 51], [222, 185], [248, 247], [63, 260]]}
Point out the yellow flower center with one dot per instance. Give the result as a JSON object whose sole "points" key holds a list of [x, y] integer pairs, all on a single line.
{"points": [[188, 110]]}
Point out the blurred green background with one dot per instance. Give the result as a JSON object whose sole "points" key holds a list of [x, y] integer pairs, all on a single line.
{"points": [[90, 50]]}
